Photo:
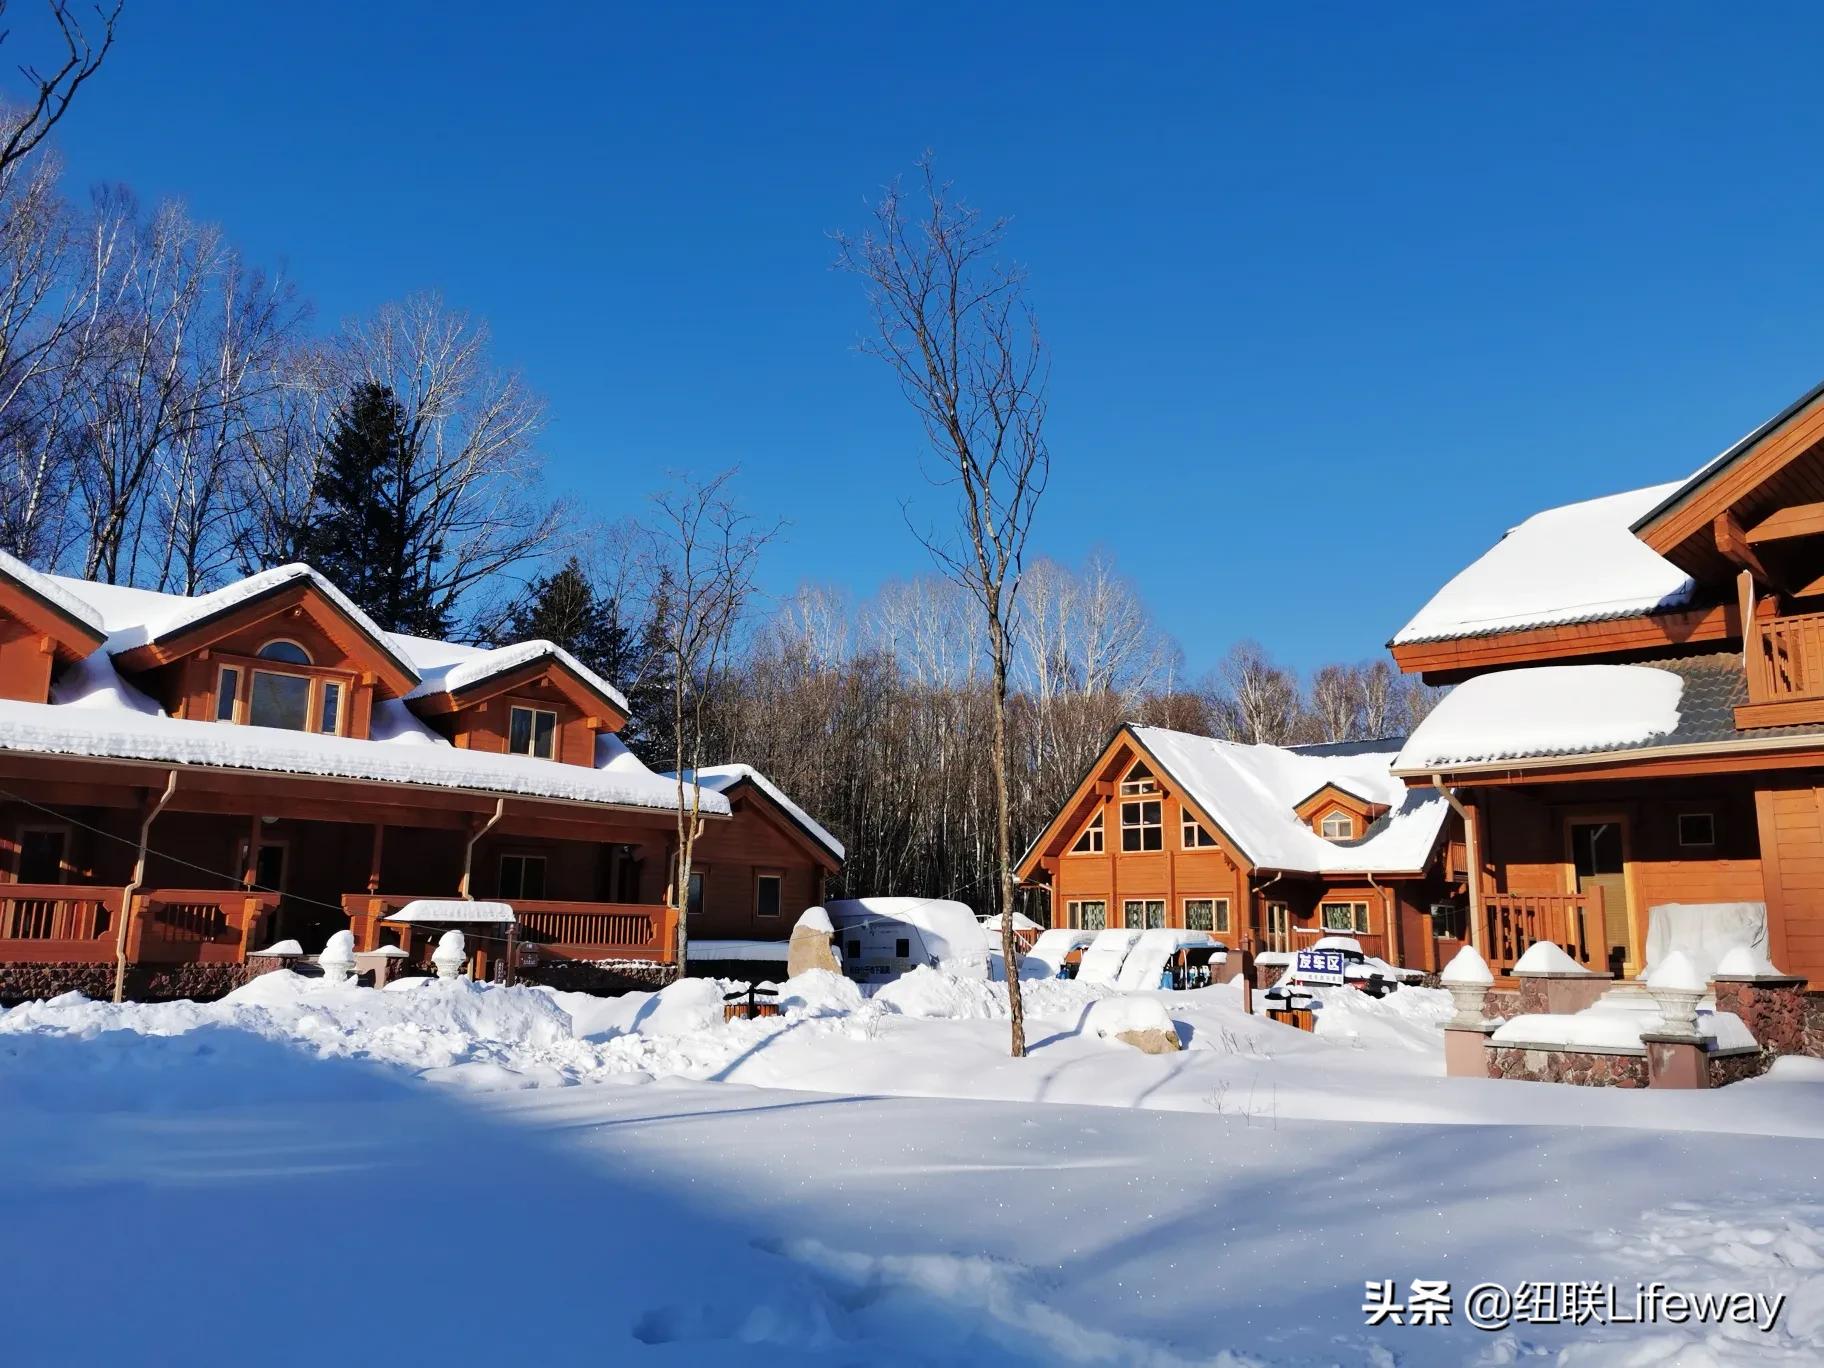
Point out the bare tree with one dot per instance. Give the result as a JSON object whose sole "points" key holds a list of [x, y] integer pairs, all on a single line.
{"points": [[1336, 703], [702, 555], [1253, 699], [475, 477], [952, 323], [24, 128]]}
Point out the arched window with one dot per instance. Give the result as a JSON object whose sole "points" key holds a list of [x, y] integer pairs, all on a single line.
{"points": [[1338, 826], [286, 651]]}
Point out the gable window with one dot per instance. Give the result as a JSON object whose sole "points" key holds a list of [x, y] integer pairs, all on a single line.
{"points": [[1087, 916], [1195, 837], [1090, 842], [1143, 914], [522, 876], [1338, 826], [329, 714], [1143, 825], [1139, 780], [1346, 918], [1206, 914], [532, 731], [285, 651], [1696, 829], [769, 894]]}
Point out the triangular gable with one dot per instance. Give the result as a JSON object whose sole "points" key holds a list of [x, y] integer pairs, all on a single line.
{"points": [[1334, 793], [489, 674], [205, 620], [72, 627], [1745, 508], [1126, 747], [786, 818]]}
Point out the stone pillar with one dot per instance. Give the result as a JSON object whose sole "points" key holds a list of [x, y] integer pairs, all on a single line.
{"points": [[1676, 1060], [1469, 980]]}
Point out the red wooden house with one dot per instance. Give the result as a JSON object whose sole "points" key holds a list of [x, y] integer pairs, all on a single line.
{"points": [[185, 779], [1638, 717], [1266, 847]]}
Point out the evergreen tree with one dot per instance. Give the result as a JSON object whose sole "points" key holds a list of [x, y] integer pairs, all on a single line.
{"points": [[653, 735], [567, 608], [369, 535]]}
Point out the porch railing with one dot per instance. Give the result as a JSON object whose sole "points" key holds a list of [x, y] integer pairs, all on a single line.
{"points": [[1516, 921], [570, 930], [55, 923], [65, 923]]}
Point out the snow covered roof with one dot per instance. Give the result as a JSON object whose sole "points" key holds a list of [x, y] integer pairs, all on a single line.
{"points": [[114, 728], [1548, 711], [47, 588], [721, 778], [455, 669], [1578, 563], [1251, 793]]}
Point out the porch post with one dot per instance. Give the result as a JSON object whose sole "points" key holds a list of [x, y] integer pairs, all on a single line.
{"points": [[127, 935], [1472, 855], [373, 859]]}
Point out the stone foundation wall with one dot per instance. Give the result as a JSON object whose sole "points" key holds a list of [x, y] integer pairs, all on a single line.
{"points": [[604, 978], [1814, 1025], [1737, 1068], [1503, 1003], [1567, 1066], [1776, 1014], [145, 983]]}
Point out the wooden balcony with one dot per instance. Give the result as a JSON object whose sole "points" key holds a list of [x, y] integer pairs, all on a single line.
{"points": [[1785, 663], [63, 923], [566, 930], [1513, 922]]}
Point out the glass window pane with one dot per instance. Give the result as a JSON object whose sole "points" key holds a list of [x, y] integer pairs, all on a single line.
{"points": [[332, 708], [767, 903], [225, 695], [544, 733], [1155, 915], [532, 881], [288, 651], [278, 700], [1197, 915], [1095, 916], [519, 731]]}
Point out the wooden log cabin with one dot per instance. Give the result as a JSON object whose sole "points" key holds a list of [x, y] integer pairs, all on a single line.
{"points": [[1266, 847], [183, 780], [1638, 717]]}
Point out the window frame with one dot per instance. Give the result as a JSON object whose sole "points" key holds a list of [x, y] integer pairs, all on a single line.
{"points": [[525, 859], [1189, 825], [1334, 815], [1141, 827], [1358, 915], [1095, 827], [535, 710], [245, 668], [308, 663], [777, 877], [233, 697], [1131, 787], [1146, 906], [1219, 915], [1073, 912], [1709, 819]]}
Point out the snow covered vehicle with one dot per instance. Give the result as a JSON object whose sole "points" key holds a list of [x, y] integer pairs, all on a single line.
{"points": [[882, 938], [1332, 961]]}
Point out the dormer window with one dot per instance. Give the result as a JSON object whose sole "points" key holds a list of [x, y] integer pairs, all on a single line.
{"points": [[295, 696], [532, 731], [1338, 826], [1090, 842]]}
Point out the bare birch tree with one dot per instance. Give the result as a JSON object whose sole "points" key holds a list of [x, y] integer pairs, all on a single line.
{"points": [[84, 46], [703, 552], [1253, 699], [952, 323]]}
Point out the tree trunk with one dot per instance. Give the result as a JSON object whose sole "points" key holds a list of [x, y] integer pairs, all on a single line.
{"points": [[1003, 840]]}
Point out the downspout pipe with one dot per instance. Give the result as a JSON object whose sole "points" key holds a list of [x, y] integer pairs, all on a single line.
{"points": [[131, 891], [468, 851], [1472, 855], [1390, 918]]}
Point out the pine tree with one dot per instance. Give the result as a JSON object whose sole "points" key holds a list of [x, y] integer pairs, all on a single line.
{"points": [[567, 608], [369, 535], [653, 734]]}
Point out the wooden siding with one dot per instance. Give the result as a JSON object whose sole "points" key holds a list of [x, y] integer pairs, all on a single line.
{"points": [[1791, 823], [26, 658], [1632, 638]]}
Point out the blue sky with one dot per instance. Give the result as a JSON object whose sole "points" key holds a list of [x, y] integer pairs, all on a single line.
{"points": [[1335, 293]]}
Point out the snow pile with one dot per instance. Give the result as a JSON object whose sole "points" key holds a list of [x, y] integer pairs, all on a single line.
{"points": [[1111, 1017], [1409, 1019], [925, 992], [1546, 957], [1545, 710], [1467, 967], [1577, 563], [815, 919], [1676, 973], [1745, 961], [93, 682], [818, 992]]}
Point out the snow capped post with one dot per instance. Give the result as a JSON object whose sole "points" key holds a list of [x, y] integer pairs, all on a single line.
{"points": [[338, 958], [1466, 1034], [1677, 1053], [1676, 987], [450, 955]]}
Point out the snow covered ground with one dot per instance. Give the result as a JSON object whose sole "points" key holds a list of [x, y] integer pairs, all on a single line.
{"points": [[446, 1171]]}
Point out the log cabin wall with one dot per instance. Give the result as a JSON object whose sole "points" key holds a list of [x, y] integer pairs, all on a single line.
{"points": [[25, 664], [1789, 814], [485, 725], [733, 856]]}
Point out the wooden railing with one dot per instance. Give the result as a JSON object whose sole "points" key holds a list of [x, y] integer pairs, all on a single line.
{"points": [[1791, 659], [58, 923], [570, 930], [53, 923], [200, 924], [1513, 922]]}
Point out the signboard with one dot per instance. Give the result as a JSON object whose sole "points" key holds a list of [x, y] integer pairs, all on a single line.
{"points": [[1319, 966]]}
